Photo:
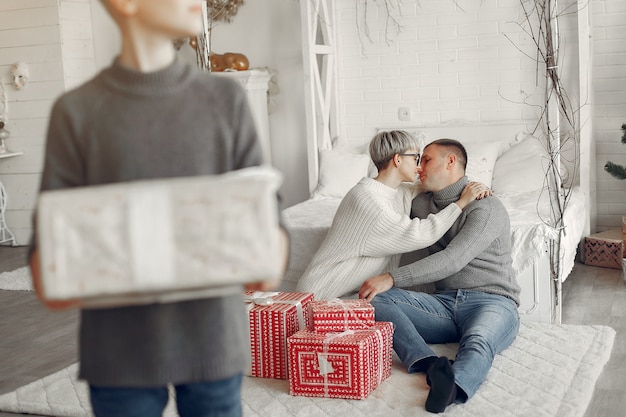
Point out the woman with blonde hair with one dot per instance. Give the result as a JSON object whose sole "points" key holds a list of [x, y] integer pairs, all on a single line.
{"points": [[372, 228]]}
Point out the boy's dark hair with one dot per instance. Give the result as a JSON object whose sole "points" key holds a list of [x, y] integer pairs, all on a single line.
{"points": [[453, 146]]}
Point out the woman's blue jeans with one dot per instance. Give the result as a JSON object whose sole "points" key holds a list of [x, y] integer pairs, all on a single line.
{"points": [[202, 399], [483, 324]]}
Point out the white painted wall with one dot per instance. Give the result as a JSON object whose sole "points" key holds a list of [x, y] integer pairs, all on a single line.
{"points": [[268, 33], [609, 77]]}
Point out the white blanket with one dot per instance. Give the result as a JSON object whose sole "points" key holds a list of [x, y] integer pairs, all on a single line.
{"points": [[548, 371]]}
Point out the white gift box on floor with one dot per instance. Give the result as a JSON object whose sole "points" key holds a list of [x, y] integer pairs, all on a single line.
{"points": [[159, 240]]}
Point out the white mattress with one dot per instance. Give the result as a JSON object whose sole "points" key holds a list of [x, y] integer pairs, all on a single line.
{"points": [[309, 221]]}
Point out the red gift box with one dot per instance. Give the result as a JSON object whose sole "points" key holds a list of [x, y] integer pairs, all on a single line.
{"points": [[350, 364], [339, 315], [273, 317]]}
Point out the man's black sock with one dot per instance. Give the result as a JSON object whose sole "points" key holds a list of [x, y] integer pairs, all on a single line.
{"points": [[428, 378], [443, 389], [423, 365]]}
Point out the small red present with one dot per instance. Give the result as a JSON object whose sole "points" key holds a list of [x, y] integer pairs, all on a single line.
{"points": [[273, 317], [349, 364], [338, 315]]}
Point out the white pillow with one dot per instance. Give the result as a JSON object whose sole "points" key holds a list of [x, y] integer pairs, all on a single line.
{"points": [[481, 158], [522, 168], [342, 146], [339, 172]]}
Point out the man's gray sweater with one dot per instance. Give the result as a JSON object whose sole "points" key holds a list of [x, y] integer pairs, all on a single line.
{"points": [[475, 254]]}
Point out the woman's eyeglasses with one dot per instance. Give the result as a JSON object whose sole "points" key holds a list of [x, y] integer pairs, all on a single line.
{"points": [[417, 156]]}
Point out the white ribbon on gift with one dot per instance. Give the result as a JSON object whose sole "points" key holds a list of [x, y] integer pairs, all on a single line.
{"points": [[342, 303], [323, 363], [260, 298], [326, 367], [151, 236]]}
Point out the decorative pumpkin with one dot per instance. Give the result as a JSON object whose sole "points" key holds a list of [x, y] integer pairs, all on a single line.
{"points": [[229, 61]]}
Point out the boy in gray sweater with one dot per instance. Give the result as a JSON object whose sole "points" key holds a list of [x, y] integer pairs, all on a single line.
{"points": [[152, 116], [476, 297]]}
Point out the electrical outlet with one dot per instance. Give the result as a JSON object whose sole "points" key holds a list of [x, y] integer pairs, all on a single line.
{"points": [[404, 113]]}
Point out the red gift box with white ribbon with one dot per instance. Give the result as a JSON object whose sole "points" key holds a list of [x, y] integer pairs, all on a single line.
{"points": [[338, 315], [348, 364], [273, 317]]}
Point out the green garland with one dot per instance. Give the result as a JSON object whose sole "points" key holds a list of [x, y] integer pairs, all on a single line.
{"points": [[618, 171]]}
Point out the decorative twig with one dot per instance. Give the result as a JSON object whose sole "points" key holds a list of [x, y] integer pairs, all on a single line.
{"points": [[558, 118], [214, 11], [362, 13]]}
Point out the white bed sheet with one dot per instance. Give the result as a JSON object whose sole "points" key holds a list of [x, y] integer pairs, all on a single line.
{"points": [[308, 223], [531, 233]]}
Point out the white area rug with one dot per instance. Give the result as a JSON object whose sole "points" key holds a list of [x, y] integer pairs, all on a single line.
{"points": [[549, 370], [17, 280]]}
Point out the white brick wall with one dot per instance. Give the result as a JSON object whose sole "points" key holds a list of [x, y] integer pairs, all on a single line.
{"points": [[445, 63], [54, 38], [609, 77], [29, 32], [76, 41]]}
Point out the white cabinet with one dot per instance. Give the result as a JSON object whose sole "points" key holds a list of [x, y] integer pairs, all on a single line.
{"points": [[256, 83]]}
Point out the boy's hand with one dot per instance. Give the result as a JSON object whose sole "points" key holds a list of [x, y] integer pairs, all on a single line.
{"points": [[36, 274]]}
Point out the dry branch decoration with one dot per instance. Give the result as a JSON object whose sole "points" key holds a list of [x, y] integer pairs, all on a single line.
{"points": [[558, 121], [392, 24], [213, 11], [223, 10]]}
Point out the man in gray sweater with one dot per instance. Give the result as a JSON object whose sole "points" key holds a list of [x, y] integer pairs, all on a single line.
{"points": [[476, 294]]}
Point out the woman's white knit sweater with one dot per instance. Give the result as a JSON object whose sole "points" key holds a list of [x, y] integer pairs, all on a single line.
{"points": [[370, 231]]}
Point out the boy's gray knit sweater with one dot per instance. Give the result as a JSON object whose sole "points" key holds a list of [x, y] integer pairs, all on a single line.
{"points": [[125, 125], [475, 254]]}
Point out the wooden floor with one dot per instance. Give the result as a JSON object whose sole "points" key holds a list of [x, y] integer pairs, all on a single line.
{"points": [[35, 342]]}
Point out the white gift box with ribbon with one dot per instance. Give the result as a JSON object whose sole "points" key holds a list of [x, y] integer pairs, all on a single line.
{"points": [[159, 240]]}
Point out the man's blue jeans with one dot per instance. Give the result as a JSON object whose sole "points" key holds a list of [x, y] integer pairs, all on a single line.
{"points": [[483, 324], [203, 399]]}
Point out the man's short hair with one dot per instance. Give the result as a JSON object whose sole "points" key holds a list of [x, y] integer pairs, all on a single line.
{"points": [[385, 145], [453, 146]]}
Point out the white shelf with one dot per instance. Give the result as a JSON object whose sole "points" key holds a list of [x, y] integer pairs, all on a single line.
{"points": [[10, 154]]}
